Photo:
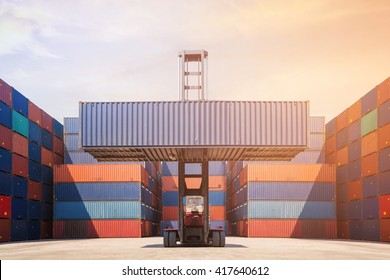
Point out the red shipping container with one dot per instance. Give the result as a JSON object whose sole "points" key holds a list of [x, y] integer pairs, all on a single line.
{"points": [[115, 228], [384, 136], [385, 229], [46, 157], [34, 190], [5, 230], [342, 156], [331, 158], [169, 183], [325, 229], [342, 121], [5, 138], [146, 228], [170, 213], [58, 146], [217, 213], [343, 229], [34, 113], [58, 229], [46, 229], [273, 228], [330, 145], [370, 165], [5, 93], [47, 121], [384, 206], [369, 143], [57, 159], [354, 112], [5, 207], [19, 165], [19, 144], [355, 190], [383, 91]]}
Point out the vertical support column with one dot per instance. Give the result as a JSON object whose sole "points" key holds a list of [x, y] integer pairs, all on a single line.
{"points": [[182, 188], [205, 194]]}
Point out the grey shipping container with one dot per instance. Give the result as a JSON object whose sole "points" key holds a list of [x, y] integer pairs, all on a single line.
{"points": [[215, 130], [71, 125], [317, 125]]}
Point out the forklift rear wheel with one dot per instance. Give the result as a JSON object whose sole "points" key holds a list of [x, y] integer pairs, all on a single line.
{"points": [[222, 239], [172, 239], [166, 238], [216, 239]]}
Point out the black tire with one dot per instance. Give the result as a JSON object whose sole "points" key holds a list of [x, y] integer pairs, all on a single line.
{"points": [[166, 238], [172, 239], [222, 239], [216, 239]]}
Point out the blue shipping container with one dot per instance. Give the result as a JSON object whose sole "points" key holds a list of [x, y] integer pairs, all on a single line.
{"points": [[34, 171], [18, 208], [34, 152], [219, 224], [5, 185], [384, 114], [47, 139], [47, 175], [34, 132], [46, 211], [97, 210], [5, 115], [384, 160], [170, 168], [371, 230], [354, 170], [312, 191], [5, 161], [383, 180], [19, 230], [170, 198], [58, 129], [354, 151], [19, 187], [217, 198], [291, 210], [19, 102], [354, 131], [355, 210], [169, 224], [369, 101], [371, 208], [356, 229], [34, 210], [71, 142], [97, 191], [342, 138], [370, 186], [71, 125], [317, 125], [34, 230], [217, 168], [47, 193]]}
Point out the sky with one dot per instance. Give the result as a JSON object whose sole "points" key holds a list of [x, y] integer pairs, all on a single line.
{"points": [[330, 52]]}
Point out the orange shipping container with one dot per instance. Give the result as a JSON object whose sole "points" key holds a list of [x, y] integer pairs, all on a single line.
{"points": [[384, 206], [216, 183], [291, 173], [383, 91], [330, 145], [169, 183], [369, 143], [354, 112], [342, 121], [370, 165], [342, 156], [355, 190], [343, 229], [98, 173], [384, 137], [170, 213], [217, 213], [331, 158], [385, 229], [47, 157]]}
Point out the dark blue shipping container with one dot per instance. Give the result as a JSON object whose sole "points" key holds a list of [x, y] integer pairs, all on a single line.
{"points": [[5, 183], [384, 160], [18, 208], [169, 224], [342, 192], [354, 131], [19, 187], [170, 198], [47, 139], [5, 115], [342, 174], [384, 114], [170, 168], [34, 132], [342, 138], [371, 208], [355, 210], [369, 101], [34, 171], [19, 102], [47, 193], [97, 191], [151, 184], [34, 230], [371, 230], [193, 168], [58, 129], [384, 185], [370, 186], [236, 183], [19, 230], [354, 170], [217, 168], [342, 210], [146, 196], [219, 224], [46, 211], [47, 175], [217, 198], [313, 191], [34, 210], [34, 152], [356, 230], [5, 161], [354, 151], [330, 128]]}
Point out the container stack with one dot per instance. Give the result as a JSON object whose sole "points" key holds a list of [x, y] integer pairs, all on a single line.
{"points": [[358, 142], [217, 193], [105, 201], [31, 142], [284, 199]]}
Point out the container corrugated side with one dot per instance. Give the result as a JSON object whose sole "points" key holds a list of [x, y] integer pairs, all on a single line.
{"points": [[71, 142], [369, 122], [384, 160], [355, 170], [330, 128], [369, 143], [18, 230], [383, 91], [342, 138], [369, 101], [259, 209], [97, 210], [5, 179], [356, 229], [5, 230], [5, 115], [5, 138], [354, 131], [370, 165], [342, 121], [355, 151], [370, 208], [34, 113], [20, 123], [384, 137], [317, 124], [19, 165], [383, 181], [71, 125], [194, 123], [371, 230], [343, 229], [5, 93], [115, 228], [370, 186], [355, 189], [385, 230], [354, 112], [46, 229], [19, 102]]}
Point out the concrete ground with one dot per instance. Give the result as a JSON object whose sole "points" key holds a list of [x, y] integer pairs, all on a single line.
{"points": [[236, 248]]}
